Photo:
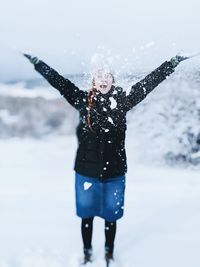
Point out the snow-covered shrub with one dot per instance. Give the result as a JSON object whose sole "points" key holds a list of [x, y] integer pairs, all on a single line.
{"points": [[166, 125]]}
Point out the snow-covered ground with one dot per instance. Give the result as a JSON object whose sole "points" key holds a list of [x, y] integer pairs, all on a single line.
{"points": [[39, 228]]}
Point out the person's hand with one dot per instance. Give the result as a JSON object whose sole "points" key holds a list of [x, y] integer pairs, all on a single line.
{"points": [[177, 59], [34, 60]]}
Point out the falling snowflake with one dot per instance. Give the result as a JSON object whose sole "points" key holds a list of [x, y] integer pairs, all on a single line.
{"points": [[113, 103], [110, 120]]}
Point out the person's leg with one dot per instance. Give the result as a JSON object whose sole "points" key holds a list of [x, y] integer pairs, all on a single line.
{"points": [[110, 232], [86, 231]]}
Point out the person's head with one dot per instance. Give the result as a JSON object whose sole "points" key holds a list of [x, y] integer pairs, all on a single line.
{"points": [[103, 80]]}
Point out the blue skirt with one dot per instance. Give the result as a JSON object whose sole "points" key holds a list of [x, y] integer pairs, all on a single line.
{"points": [[102, 199]]}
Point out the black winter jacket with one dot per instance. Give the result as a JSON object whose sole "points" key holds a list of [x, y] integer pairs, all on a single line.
{"points": [[101, 152]]}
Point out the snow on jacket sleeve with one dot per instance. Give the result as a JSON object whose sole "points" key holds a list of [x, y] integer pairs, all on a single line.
{"points": [[67, 89], [141, 89]]}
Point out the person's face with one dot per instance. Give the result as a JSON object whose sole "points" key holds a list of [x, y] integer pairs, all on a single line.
{"points": [[103, 81]]}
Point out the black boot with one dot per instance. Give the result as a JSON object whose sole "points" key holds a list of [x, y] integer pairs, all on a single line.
{"points": [[110, 231], [108, 255], [86, 230], [87, 256]]}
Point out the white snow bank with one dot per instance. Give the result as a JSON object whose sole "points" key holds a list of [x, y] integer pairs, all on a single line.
{"points": [[20, 90], [8, 118]]}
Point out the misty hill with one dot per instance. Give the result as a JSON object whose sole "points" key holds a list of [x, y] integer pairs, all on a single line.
{"points": [[165, 126]]}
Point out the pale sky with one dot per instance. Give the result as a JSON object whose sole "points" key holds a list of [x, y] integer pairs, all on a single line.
{"points": [[136, 35]]}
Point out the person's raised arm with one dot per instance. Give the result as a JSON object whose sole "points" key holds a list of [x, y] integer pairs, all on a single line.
{"points": [[142, 88], [67, 89]]}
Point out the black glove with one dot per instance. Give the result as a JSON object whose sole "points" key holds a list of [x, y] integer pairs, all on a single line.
{"points": [[32, 59]]}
